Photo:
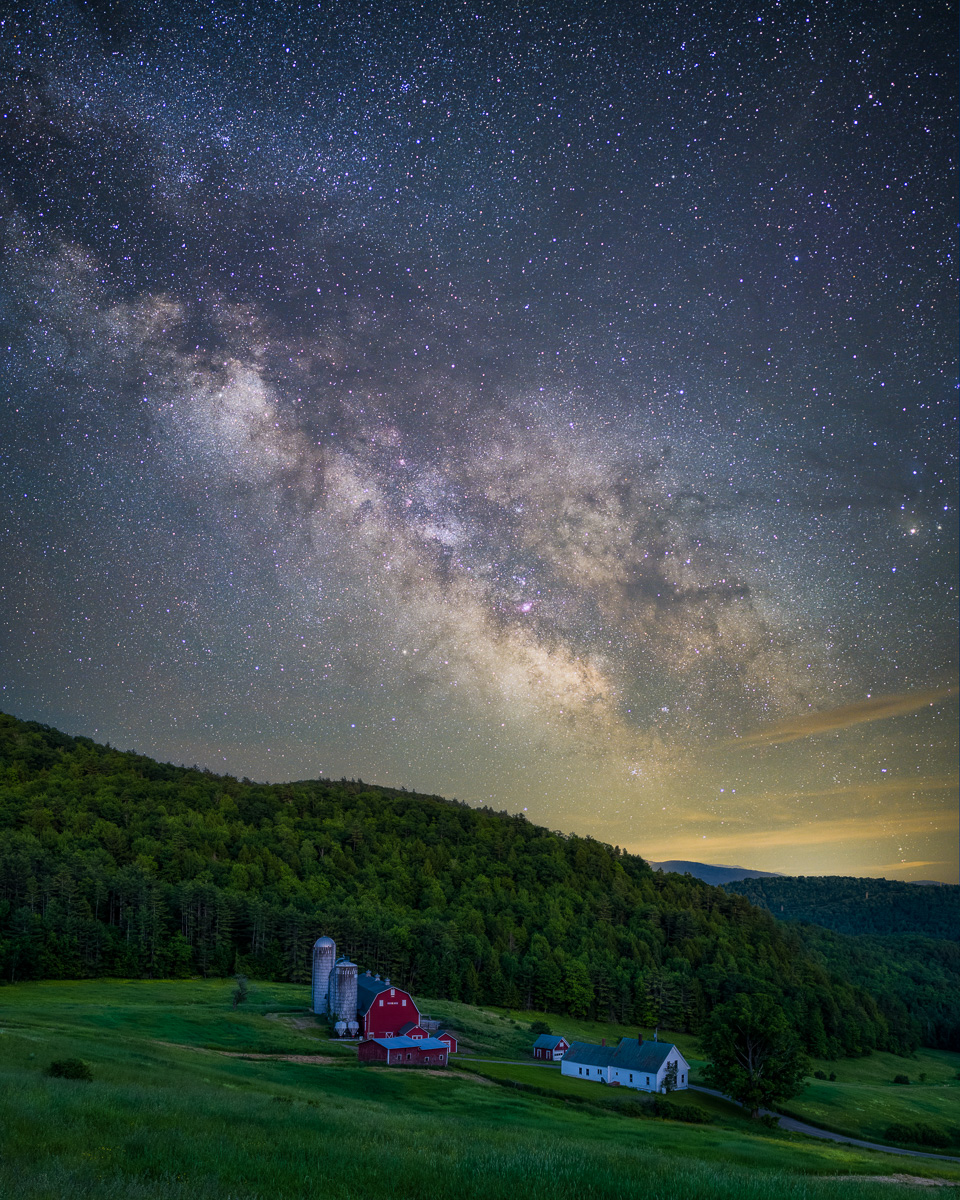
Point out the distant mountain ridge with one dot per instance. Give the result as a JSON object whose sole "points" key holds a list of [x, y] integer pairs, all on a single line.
{"points": [[715, 874]]}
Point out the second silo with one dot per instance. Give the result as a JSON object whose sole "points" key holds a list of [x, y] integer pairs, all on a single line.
{"points": [[343, 991], [324, 956]]}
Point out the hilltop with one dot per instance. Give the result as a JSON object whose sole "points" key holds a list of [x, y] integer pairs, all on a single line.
{"points": [[710, 872], [114, 864]]}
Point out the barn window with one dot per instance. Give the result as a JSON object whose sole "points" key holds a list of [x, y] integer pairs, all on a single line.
{"points": [[580, 1071], [393, 991], [380, 1002], [404, 1003], [648, 1081]]}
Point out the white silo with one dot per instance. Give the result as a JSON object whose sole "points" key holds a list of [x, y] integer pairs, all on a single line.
{"points": [[343, 991], [324, 956]]}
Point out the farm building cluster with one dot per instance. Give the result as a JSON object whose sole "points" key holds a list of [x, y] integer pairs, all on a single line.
{"points": [[390, 1029], [384, 1017]]}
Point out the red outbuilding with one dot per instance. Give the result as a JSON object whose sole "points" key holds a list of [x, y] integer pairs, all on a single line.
{"points": [[449, 1039], [403, 1051], [550, 1047]]}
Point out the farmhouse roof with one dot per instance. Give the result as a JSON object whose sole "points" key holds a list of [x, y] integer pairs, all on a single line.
{"points": [[641, 1056], [588, 1054], [548, 1041]]}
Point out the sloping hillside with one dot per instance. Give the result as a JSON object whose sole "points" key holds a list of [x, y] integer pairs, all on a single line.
{"points": [[895, 938], [111, 863], [853, 906]]}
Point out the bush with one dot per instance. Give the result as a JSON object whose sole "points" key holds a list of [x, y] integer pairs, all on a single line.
{"points": [[538, 1028], [919, 1133], [819, 1074], [666, 1110], [832, 1077], [901, 1079], [70, 1068]]}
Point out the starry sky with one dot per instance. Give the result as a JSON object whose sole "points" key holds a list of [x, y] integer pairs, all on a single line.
{"points": [[552, 406]]}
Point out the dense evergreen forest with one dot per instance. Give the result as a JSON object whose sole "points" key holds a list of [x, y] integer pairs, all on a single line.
{"points": [[895, 938], [876, 906], [113, 864]]}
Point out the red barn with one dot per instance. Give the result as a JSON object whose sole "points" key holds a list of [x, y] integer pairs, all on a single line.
{"points": [[550, 1047], [403, 1051], [449, 1039], [382, 1009]]}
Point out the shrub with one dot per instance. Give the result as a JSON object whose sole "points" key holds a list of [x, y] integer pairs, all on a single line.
{"points": [[833, 1077], [692, 1114], [539, 1027], [70, 1068], [919, 1133], [901, 1079], [819, 1074]]}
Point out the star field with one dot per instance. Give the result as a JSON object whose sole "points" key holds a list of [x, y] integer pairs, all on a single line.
{"points": [[547, 406]]}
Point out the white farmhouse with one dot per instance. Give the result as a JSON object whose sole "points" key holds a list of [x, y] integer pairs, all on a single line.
{"points": [[633, 1064]]}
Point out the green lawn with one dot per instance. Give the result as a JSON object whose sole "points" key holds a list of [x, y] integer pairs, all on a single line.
{"points": [[161, 1121], [865, 1100]]}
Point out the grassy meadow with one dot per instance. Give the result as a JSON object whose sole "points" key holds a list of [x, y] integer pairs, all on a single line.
{"points": [[172, 1113]]}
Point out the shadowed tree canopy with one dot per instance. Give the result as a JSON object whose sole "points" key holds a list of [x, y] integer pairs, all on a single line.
{"points": [[755, 1054]]}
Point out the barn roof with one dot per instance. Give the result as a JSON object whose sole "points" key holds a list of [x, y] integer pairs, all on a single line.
{"points": [[369, 988], [407, 1043], [548, 1041]]}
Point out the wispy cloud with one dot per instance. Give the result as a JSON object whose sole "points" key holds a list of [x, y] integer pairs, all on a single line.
{"points": [[878, 789], [910, 866], [874, 708], [742, 842]]}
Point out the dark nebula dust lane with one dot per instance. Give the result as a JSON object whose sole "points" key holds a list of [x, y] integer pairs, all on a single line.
{"points": [[550, 407]]}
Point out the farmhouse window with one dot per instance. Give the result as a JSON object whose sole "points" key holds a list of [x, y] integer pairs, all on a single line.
{"points": [[580, 1071], [631, 1079], [648, 1081]]}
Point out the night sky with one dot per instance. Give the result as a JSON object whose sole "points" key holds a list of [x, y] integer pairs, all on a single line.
{"points": [[549, 406]]}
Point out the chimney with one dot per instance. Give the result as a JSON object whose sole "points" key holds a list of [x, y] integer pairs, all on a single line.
{"points": [[603, 1041], [639, 1039]]}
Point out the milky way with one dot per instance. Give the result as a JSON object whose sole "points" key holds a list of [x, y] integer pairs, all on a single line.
{"points": [[551, 406]]}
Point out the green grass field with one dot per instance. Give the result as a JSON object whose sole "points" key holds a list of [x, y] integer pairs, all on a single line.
{"points": [[170, 1115], [864, 1100]]}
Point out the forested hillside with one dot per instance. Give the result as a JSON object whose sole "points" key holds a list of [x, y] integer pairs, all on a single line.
{"points": [[855, 906], [895, 938], [113, 864]]}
